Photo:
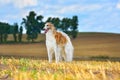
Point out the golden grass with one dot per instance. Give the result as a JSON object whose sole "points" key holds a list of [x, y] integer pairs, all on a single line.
{"points": [[29, 69]]}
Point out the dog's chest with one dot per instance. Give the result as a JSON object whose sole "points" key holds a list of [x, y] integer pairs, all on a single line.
{"points": [[50, 39]]}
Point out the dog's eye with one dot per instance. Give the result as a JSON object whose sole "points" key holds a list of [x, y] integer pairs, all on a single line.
{"points": [[47, 25]]}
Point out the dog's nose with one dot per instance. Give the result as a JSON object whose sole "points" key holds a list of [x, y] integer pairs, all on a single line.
{"points": [[43, 29]]}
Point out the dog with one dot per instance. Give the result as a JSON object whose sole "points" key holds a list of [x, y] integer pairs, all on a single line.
{"points": [[58, 43]]}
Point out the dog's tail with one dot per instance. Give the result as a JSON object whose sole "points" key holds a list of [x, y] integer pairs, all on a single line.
{"points": [[69, 51]]}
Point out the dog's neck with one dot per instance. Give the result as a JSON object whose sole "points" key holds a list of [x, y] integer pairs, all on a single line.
{"points": [[50, 34]]}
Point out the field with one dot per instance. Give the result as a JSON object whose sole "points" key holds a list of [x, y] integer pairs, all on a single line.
{"points": [[85, 45], [30, 69], [96, 57]]}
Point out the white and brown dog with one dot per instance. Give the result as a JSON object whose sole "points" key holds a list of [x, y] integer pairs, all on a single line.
{"points": [[59, 43]]}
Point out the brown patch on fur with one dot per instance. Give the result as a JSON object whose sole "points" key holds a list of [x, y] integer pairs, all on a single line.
{"points": [[60, 39]]}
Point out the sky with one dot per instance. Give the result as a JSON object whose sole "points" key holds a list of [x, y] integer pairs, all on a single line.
{"points": [[93, 15]]}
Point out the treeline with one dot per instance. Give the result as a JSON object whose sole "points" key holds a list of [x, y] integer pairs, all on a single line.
{"points": [[34, 24], [6, 29]]}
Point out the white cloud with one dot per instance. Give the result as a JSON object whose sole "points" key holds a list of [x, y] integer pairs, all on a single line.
{"points": [[69, 9], [24, 3], [19, 3], [3, 20], [118, 5], [108, 21], [78, 8], [4, 2]]}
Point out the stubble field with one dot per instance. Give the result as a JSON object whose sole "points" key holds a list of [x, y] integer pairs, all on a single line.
{"points": [[30, 69]]}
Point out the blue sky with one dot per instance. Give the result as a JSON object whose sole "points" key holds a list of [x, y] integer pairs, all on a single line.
{"points": [[93, 15]]}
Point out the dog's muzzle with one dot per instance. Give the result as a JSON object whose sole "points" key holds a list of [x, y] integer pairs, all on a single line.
{"points": [[46, 30]]}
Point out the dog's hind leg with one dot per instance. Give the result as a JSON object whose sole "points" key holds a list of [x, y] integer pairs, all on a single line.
{"points": [[57, 54], [69, 52], [63, 55]]}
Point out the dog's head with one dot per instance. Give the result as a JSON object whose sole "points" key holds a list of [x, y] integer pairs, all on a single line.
{"points": [[49, 26]]}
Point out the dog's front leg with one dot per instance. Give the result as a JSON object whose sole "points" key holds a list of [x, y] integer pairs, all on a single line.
{"points": [[50, 57], [50, 53]]}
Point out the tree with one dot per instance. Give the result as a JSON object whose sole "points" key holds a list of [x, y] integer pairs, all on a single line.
{"points": [[74, 26], [4, 30], [55, 21], [49, 19], [33, 25], [15, 31], [20, 34], [40, 23], [65, 24]]}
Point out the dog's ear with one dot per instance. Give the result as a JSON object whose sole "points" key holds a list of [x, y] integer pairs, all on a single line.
{"points": [[53, 27]]}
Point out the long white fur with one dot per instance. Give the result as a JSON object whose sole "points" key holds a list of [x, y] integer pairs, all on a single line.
{"points": [[54, 48]]}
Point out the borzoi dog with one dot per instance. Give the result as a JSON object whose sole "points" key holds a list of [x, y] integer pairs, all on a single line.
{"points": [[59, 43]]}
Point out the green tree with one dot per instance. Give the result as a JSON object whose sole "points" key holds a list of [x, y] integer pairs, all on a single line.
{"points": [[20, 34], [33, 25], [74, 26], [55, 21], [65, 25], [15, 31], [49, 19], [40, 23], [1, 32], [4, 30]]}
